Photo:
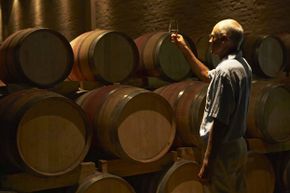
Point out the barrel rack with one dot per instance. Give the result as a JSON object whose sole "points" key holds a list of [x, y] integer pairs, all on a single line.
{"points": [[25, 182], [66, 88]]}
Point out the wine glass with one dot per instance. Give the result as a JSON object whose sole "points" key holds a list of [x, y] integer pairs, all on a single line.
{"points": [[173, 27]]}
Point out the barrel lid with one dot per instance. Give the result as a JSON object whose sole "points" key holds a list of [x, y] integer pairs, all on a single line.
{"points": [[181, 177], [259, 170], [52, 136], [146, 127], [45, 57], [270, 56], [275, 114], [171, 60], [104, 183], [114, 56]]}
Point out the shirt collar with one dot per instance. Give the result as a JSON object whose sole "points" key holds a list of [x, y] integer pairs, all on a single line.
{"points": [[233, 55]]}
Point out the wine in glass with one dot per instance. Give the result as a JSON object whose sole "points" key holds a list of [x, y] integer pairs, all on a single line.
{"points": [[173, 27]]}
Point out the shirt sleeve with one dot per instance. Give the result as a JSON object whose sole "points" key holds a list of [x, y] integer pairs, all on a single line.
{"points": [[221, 100]]}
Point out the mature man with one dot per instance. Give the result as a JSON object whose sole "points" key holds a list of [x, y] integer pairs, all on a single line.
{"points": [[224, 120]]}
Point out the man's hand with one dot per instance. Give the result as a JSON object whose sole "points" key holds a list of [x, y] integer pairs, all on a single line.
{"points": [[204, 173], [178, 39], [198, 68]]}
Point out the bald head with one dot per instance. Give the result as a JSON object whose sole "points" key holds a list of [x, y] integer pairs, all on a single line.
{"points": [[232, 29]]}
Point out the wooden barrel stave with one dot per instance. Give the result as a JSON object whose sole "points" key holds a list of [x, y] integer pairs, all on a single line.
{"points": [[141, 43], [28, 57], [104, 183], [103, 55], [181, 177], [285, 40], [260, 176], [6, 61], [265, 54], [268, 114], [187, 98], [48, 134], [76, 73], [121, 117], [162, 58]]}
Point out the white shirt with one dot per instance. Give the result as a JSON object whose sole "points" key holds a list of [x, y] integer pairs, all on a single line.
{"points": [[228, 97]]}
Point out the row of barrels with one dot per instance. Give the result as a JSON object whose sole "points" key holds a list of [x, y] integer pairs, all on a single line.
{"points": [[48, 134], [268, 115], [268, 55], [177, 178], [44, 57], [263, 174], [270, 175]]}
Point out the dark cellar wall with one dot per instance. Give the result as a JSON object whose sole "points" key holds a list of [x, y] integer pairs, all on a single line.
{"points": [[69, 17], [196, 17], [135, 17]]}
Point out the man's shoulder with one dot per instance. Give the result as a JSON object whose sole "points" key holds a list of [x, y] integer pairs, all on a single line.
{"points": [[224, 68], [229, 65]]}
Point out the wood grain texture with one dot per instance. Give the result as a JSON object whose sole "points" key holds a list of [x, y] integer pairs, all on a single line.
{"points": [[129, 122], [103, 55], [104, 183], [38, 56], [160, 57], [187, 98], [268, 115], [260, 176], [42, 132]]}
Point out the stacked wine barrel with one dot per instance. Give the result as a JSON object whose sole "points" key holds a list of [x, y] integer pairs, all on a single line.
{"points": [[42, 132], [41, 57], [179, 177], [145, 105], [103, 55], [47, 135]]}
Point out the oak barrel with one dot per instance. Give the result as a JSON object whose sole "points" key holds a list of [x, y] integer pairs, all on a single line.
{"points": [[284, 173], [260, 176], [269, 112], [103, 55], [265, 54], [42, 133], [181, 177], [104, 183], [281, 164], [187, 98], [204, 52], [159, 57], [129, 122], [37, 56], [285, 40]]}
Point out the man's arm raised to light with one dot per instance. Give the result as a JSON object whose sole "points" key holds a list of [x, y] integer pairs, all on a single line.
{"points": [[198, 68]]}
